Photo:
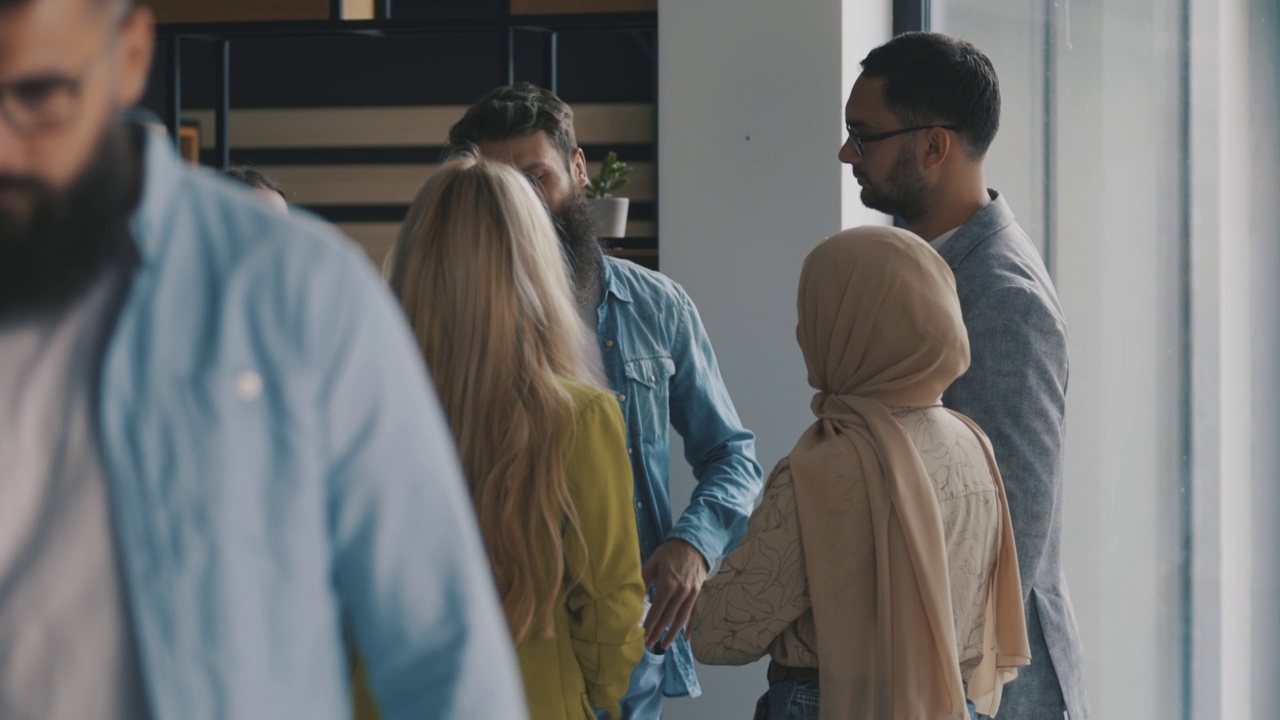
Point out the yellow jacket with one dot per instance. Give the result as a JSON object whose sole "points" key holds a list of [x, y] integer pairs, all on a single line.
{"points": [[597, 640]]}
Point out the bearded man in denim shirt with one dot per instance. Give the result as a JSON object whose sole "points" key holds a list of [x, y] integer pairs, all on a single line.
{"points": [[220, 453], [655, 355]]}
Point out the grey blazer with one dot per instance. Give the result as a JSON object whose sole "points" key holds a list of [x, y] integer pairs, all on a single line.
{"points": [[1015, 390]]}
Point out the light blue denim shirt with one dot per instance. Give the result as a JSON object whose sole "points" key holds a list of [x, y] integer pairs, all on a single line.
{"points": [[660, 364], [280, 470]]}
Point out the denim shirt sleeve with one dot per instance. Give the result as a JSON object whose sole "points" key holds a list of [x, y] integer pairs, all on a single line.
{"points": [[407, 555], [717, 447]]}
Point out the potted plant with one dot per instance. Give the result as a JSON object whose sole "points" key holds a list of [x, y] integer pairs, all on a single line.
{"points": [[610, 212]]}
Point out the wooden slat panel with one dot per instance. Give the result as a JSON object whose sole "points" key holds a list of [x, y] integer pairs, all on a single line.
{"points": [[189, 144], [396, 184], [377, 238], [596, 124], [633, 254], [201, 11], [644, 258], [641, 228], [642, 183], [359, 10], [543, 7], [350, 184], [337, 127]]}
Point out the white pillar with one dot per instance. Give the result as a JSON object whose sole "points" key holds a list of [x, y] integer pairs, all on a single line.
{"points": [[751, 107]]}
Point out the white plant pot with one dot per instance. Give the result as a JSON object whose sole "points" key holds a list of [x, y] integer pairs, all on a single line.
{"points": [[611, 216]]}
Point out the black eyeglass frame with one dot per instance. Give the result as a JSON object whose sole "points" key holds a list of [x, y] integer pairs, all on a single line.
{"points": [[857, 141]]}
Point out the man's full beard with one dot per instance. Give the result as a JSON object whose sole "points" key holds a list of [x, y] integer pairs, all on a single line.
{"points": [[903, 193], [576, 227], [69, 235]]}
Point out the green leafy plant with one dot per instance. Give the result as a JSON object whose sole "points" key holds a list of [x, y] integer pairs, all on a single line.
{"points": [[613, 176]]}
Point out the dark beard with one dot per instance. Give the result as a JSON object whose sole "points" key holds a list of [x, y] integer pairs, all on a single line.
{"points": [[576, 227], [70, 236], [904, 193]]}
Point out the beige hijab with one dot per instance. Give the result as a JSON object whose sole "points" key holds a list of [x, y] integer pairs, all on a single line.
{"points": [[880, 327]]}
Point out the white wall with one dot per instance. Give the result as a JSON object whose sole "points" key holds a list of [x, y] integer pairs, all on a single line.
{"points": [[751, 116]]}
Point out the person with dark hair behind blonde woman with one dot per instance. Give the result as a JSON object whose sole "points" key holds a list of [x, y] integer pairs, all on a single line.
{"points": [[480, 273], [880, 570], [270, 191]]}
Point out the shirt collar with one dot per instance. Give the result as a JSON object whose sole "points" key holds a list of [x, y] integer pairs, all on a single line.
{"points": [[161, 169], [942, 239], [613, 284]]}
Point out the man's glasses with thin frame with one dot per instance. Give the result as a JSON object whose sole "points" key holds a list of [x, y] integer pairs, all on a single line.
{"points": [[857, 141]]}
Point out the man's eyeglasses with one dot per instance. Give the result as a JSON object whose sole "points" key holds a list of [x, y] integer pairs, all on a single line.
{"points": [[857, 141], [40, 104], [47, 102]]}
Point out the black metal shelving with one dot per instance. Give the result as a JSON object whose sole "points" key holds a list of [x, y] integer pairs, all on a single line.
{"points": [[548, 27]]}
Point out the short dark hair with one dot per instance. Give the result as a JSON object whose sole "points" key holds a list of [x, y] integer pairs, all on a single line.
{"points": [[931, 78], [254, 178], [513, 111]]}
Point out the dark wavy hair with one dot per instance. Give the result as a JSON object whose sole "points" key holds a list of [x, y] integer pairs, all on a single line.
{"points": [[513, 111], [254, 178]]}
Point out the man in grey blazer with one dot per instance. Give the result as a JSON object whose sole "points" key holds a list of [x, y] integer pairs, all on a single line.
{"points": [[920, 119]]}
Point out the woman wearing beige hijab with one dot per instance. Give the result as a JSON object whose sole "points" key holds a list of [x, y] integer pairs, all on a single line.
{"points": [[879, 572]]}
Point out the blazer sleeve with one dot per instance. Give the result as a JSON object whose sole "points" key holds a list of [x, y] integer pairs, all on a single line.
{"points": [[762, 587], [1015, 390], [606, 603]]}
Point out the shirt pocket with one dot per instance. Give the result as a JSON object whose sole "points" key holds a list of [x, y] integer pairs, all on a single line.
{"points": [[647, 398], [244, 439]]}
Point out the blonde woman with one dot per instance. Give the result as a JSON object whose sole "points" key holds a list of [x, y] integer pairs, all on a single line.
{"points": [[479, 271]]}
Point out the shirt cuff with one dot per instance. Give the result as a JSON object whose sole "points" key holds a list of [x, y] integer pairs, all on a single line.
{"points": [[707, 542]]}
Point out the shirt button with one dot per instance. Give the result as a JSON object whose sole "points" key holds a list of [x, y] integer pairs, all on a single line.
{"points": [[630, 451], [608, 343], [248, 385], [639, 505], [622, 398], [653, 378]]}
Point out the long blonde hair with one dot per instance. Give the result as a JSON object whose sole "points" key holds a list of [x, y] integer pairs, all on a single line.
{"points": [[480, 273]]}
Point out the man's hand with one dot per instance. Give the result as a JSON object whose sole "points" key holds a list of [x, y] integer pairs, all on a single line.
{"points": [[678, 571]]}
